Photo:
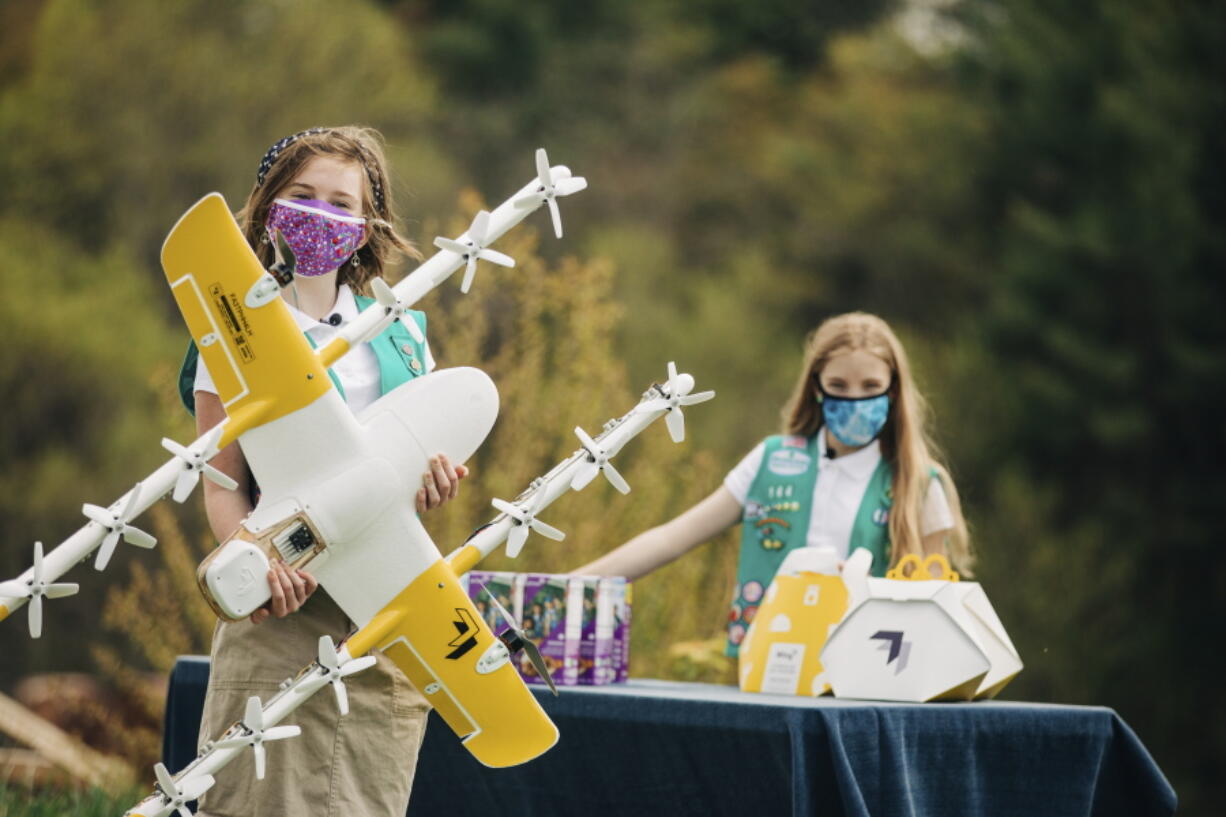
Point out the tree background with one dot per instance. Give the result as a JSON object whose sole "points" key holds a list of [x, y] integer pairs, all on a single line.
{"points": [[1030, 191]]}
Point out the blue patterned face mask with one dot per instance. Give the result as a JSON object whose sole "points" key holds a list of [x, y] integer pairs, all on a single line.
{"points": [[855, 422]]}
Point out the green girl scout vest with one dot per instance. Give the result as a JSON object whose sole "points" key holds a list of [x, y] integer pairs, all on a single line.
{"points": [[776, 520], [400, 357]]}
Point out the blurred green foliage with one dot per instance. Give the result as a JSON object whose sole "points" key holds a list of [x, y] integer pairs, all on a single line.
{"points": [[1031, 192], [20, 802]]}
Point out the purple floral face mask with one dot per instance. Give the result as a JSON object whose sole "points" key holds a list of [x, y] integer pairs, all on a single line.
{"points": [[322, 236]]}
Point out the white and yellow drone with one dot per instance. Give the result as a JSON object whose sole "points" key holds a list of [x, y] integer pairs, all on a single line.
{"points": [[338, 504]]}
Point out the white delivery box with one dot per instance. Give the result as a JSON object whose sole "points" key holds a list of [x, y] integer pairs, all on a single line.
{"points": [[917, 639]]}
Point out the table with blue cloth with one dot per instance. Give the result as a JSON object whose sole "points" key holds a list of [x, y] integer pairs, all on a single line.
{"points": [[668, 748]]}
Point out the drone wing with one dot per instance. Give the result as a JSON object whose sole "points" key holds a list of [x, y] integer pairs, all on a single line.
{"points": [[259, 360], [435, 634]]}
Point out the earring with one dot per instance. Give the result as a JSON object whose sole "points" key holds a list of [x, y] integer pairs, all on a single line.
{"points": [[264, 239], [356, 261]]}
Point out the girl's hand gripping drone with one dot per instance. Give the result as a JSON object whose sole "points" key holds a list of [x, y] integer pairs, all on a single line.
{"points": [[339, 504]]}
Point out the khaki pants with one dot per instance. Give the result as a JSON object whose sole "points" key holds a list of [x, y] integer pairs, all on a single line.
{"points": [[360, 764]]}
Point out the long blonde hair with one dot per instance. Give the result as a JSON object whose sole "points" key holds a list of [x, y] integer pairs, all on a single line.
{"points": [[905, 443], [352, 143]]}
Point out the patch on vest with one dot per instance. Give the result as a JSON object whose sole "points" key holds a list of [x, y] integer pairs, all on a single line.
{"points": [[881, 517], [789, 462]]}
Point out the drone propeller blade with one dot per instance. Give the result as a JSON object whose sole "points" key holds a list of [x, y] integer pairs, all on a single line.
{"points": [[383, 293], [516, 539], [451, 245], [556, 215], [38, 563], [35, 589], [129, 507], [36, 616], [695, 399], [138, 537], [470, 272], [676, 425], [185, 484], [193, 787], [106, 550], [672, 378], [336, 671], [534, 655], [219, 478], [327, 653], [507, 508], [547, 530], [180, 796], [584, 476], [506, 616], [573, 184], [342, 696], [165, 781], [495, 257], [542, 169], [261, 760], [476, 230], [615, 478], [97, 514]]}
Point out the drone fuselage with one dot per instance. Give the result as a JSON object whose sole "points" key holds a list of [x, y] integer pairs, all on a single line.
{"points": [[336, 492]]}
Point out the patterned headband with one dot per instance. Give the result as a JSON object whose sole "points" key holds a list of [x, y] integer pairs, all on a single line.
{"points": [[270, 158]]}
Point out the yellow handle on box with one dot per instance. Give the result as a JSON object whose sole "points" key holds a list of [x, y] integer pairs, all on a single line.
{"points": [[921, 570]]}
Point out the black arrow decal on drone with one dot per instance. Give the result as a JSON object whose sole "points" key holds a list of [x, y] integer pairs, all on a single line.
{"points": [[463, 642]]}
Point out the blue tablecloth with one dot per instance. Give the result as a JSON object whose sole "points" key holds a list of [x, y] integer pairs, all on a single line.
{"points": [[658, 747]]}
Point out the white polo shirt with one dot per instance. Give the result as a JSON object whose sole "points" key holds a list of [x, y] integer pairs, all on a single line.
{"points": [[838, 492], [358, 371]]}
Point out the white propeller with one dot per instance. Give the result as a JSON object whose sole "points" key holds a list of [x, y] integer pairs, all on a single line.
{"points": [[549, 190], [597, 462], [34, 589], [116, 525], [195, 461], [678, 395], [257, 735], [394, 310], [336, 671], [180, 796], [472, 249], [526, 520]]}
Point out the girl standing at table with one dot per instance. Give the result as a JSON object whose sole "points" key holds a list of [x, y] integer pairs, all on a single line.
{"points": [[322, 189], [853, 469]]}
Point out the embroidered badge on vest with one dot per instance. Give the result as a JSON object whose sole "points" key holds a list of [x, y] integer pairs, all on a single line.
{"points": [[788, 462]]}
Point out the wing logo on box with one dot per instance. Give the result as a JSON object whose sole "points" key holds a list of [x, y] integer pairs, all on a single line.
{"points": [[462, 645], [899, 649]]}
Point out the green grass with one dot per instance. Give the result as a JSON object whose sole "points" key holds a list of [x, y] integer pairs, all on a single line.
{"points": [[21, 802]]}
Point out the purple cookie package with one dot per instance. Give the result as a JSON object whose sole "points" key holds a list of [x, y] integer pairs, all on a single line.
{"points": [[580, 624]]}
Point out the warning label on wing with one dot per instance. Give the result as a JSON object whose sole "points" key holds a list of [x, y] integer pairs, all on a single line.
{"points": [[234, 319]]}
